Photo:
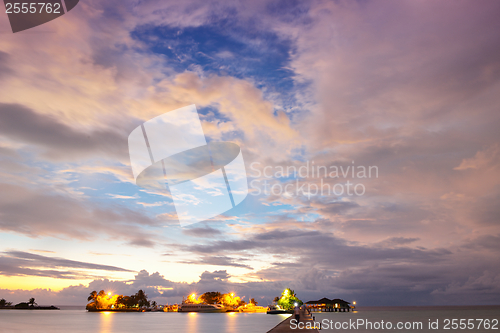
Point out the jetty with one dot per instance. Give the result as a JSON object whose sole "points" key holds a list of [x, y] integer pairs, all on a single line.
{"points": [[286, 327]]}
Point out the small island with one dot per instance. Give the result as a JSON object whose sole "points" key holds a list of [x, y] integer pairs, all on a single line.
{"points": [[102, 301], [30, 305], [285, 303], [212, 301]]}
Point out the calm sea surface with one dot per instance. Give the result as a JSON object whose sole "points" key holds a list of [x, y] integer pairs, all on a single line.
{"points": [[78, 320], [413, 319]]}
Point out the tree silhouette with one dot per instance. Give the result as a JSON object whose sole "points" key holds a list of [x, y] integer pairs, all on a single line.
{"points": [[141, 298], [93, 297], [4, 303], [32, 302], [211, 297]]}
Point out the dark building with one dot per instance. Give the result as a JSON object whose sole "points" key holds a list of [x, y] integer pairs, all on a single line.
{"points": [[329, 305]]}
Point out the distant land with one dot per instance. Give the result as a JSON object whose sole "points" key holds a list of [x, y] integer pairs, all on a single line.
{"points": [[30, 305]]}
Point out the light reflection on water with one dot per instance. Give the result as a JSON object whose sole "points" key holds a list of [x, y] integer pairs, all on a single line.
{"points": [[192, 322], [231, 322], [106, 319]]}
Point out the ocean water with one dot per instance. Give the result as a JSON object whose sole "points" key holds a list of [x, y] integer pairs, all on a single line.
{"points": [[77, 320], [413, 319]]}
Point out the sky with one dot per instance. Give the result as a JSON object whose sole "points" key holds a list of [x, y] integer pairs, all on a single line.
{"points": [[406, 89]]}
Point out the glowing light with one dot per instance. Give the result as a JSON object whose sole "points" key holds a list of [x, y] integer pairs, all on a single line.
{"points": [[192, 299], [109, 294], [232, 294], [354, 303], [296, 304]]}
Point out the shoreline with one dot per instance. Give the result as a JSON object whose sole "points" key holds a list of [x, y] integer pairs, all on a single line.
{"points": [[121, 310]]}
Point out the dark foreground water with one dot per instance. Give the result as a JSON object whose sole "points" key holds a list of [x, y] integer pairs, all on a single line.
{"points": [[467, 319]]}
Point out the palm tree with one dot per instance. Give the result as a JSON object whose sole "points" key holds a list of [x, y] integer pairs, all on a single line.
{"points": [[93, 297], [141, 298], [101, 295], [32, 302], [4, 303]]}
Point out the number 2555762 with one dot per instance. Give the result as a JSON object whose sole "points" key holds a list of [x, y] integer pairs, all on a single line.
{"points": [[33, 8]]}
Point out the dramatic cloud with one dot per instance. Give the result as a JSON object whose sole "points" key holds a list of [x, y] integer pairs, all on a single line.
{"points": [[205, 232], [24, 125], [18, 263], [218, 261], [35, 213]]}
